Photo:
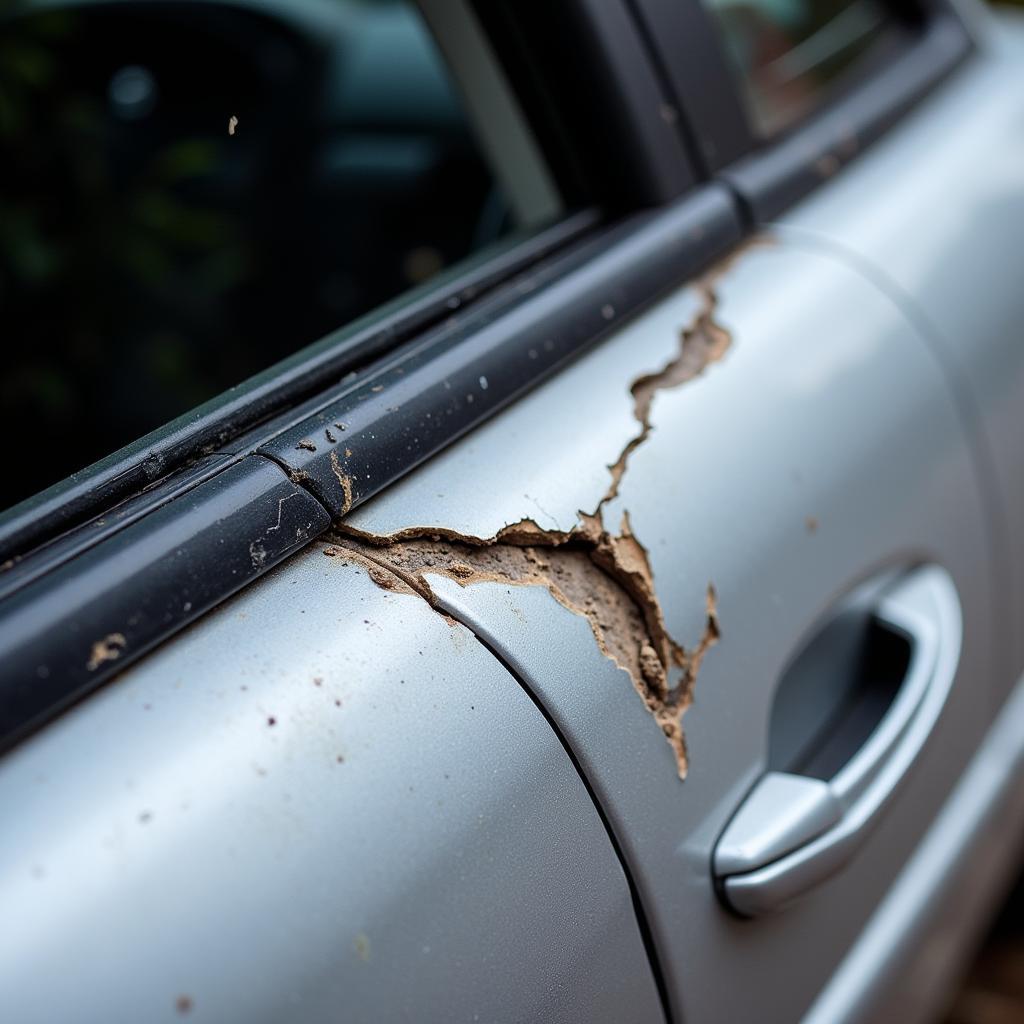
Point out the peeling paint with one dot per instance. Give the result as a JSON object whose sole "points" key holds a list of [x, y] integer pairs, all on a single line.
{"points": [[601, 575], [703, 343]]}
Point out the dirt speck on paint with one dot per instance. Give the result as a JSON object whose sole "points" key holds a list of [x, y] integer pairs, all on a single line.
{"points": [[257, 554], [107, 649]]}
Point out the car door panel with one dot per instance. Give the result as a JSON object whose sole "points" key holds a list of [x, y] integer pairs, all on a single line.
{"points": [[432, 767], [815, 451], [322, 800], [934, 213]]}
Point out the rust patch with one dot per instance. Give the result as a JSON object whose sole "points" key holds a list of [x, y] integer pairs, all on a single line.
{"points": [[107, 649]]}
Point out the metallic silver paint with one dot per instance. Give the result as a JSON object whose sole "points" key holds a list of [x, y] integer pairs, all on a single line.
{"points": [[829, 405], [906, 962], [164, 841], [935, 212]]}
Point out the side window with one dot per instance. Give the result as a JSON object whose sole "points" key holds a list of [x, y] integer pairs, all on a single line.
{"points": [[192, 190], [790, 53]]}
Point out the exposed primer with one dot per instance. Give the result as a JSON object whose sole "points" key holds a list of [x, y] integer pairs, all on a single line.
{"points": [[602, 575]]}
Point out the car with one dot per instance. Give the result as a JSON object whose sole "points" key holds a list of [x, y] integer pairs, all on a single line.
{"points": [[563, 560]]}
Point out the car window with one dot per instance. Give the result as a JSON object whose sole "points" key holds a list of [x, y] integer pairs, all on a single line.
{"points": [[789, 53], [192, 190]]}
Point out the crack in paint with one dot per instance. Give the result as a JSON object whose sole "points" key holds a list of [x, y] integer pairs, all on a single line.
{"points": [[703, 343], [603, 576]]}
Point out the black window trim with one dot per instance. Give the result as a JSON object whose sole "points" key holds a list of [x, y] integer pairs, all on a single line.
{"points": [[770, 175], [144, 463]]}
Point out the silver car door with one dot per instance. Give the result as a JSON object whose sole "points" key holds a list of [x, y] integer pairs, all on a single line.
{"points": [[762, 457], [935, 214]]}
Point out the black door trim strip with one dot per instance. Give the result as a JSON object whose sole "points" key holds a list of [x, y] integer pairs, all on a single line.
{"points": [[68, 631], [124, 474]]}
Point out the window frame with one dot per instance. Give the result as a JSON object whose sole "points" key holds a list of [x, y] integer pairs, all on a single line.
{"points": [[142, 465], [770, 174], [605, 116]]}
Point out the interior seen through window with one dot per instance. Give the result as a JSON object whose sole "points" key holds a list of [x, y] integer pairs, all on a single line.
{"points": [[193, 190]]}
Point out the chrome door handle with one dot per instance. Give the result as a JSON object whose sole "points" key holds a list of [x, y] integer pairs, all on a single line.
{"points": [[793, 830]]}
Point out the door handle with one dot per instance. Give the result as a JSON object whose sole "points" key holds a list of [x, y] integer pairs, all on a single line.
{"points": [[796, 828]]}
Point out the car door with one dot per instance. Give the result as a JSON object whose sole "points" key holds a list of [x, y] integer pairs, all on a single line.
{"points": [[685, 494], [763, 495], [733, 479]]}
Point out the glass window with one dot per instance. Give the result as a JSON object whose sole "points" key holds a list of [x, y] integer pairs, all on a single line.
{"points": [[788, 53], [192, 190]]}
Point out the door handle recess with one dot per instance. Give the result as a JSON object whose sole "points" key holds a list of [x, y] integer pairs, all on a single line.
{"points": [[795, 830]]}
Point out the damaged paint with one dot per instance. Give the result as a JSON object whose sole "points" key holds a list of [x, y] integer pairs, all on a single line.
{"points": [[701, 344], [344, 480], [597, 572], [601, 576]]}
